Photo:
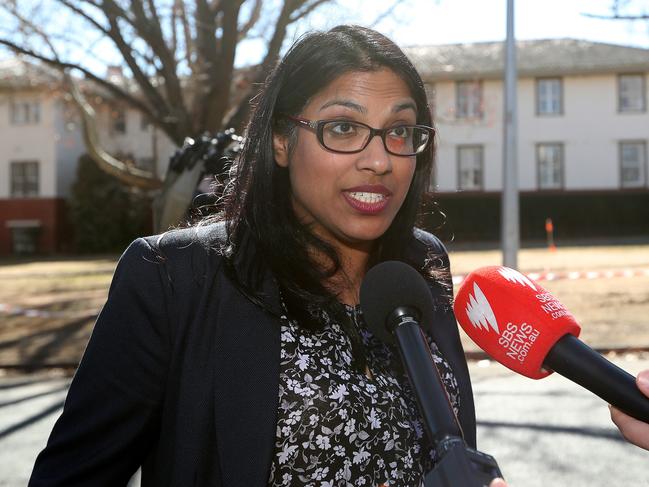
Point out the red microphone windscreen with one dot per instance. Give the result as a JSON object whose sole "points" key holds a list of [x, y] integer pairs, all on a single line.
{"points": [[512, 318]]}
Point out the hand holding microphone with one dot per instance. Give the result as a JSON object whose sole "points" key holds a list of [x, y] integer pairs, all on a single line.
{"points": [[634, 431]]}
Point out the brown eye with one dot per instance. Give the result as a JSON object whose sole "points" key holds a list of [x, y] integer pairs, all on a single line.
{"points": [[342, 128]]}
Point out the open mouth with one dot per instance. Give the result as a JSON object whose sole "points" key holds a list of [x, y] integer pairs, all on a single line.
{"points": [[368, 198]]}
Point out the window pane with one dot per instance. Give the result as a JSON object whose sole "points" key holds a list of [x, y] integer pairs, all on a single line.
{"points": [[24, 179], [470, 168], [469, 99], [25, 112], [631, 93], [632, 164], [550, 166], [548, 96]]}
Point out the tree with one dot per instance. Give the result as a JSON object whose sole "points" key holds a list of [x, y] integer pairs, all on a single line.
{"points": [[179, 56], [105, 214], [628, 10]]}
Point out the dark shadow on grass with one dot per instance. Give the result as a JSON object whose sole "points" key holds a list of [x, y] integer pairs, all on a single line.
{"points": [[13, 402], [32, 419], [54, 340], [608, 434], [22, 383]]}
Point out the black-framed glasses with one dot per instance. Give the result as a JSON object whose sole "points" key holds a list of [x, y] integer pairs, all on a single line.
{"points": [[348, 137]]}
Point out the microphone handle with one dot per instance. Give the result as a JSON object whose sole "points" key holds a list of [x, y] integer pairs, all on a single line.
{"points": [[432, 398], [576, 361], [457, 463]]}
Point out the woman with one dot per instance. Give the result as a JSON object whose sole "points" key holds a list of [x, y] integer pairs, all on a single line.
{"points": [[234, 353]]}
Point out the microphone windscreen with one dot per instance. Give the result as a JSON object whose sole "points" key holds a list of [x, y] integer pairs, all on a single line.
{"points": [[512, 318], [388, 286]]}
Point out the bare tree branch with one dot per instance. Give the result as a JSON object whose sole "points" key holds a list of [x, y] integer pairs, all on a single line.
{"points": [[237, 117], [84, 15], [252, 20], [384, 15], [128, 174], [38, 31], [306, 10], [617, 17]]}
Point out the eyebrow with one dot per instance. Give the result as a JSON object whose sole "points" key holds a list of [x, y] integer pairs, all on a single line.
{"points": [[355, 106], [344, 103]]}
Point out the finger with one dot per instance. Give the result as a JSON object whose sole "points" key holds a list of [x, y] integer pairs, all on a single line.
{"points": [[498, 483], [633, 430], [643, 382]]}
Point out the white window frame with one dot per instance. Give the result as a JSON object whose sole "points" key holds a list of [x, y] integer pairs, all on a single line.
{"points": [[118, 121], [631, 100], [542, 161], [470, 167], [25, 111], [24, 185], [468, 99], [640, 163], [430, 96], [549, 96]]}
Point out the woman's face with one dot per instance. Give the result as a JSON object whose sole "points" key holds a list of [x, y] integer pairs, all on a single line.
{"points": [[351, 199]]}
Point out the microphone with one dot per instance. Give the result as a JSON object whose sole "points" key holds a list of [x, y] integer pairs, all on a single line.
{"points": [[527, 329], [394, 300]]}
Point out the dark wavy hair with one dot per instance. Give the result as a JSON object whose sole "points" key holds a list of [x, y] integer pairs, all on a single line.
{"points": [[258, 199]]}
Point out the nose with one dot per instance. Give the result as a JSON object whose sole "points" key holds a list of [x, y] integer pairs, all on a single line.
{"points": [[375, 158]]}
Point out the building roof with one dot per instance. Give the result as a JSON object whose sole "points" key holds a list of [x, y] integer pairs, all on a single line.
{"points": [[16, 72], [534, 58]]}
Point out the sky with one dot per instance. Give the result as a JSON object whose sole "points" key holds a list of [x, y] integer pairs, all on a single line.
{"points": [[425, 22], [412, 22]]}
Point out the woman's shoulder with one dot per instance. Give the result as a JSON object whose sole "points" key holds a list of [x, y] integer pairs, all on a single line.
{"points": [[183, 254], [195, 239], [429, 241]]}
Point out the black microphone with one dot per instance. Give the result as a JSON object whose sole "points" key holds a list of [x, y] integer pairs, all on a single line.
{"points": [[395, 299]]}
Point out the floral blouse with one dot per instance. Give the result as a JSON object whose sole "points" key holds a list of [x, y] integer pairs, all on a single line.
{"points": [[337, 426]]}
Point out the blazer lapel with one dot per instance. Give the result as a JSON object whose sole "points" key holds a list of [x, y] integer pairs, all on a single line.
{"points": [[247, 361]]}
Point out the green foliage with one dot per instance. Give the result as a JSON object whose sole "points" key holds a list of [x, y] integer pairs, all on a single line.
{"points": [[106, 215]]}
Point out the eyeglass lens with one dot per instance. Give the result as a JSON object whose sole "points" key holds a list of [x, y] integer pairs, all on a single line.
{"points": [[344, 136]]}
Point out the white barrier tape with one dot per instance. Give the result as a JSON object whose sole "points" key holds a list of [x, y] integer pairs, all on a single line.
{"points": [[574, 275]]}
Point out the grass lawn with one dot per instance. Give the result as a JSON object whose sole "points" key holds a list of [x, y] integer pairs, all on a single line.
{"points": [[613, 312]]}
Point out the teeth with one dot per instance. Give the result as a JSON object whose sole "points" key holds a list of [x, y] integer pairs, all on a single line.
{"points": [[367, 197]]}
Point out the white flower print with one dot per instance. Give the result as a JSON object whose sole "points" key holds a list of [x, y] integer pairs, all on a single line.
{"points": [[340, 393], [286, 453], [375, 421], [361, 456], [335, 427], [350, 426], [322, 442], [302, 361]]}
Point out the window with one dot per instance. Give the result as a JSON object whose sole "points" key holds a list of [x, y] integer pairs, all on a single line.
{"points": [[549, 158], [430, 95], [118, 121], [25, 112], [147, 163], [549, 100], [24, 179], [631, 93], [633, 161], [145, 123], [468, 96], [24, 235], [470, 168]]}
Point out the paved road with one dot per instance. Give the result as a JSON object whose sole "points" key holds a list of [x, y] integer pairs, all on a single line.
{"points": [[551, 432], [543, 433]]}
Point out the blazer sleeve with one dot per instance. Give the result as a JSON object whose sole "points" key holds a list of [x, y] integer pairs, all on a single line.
{"points": [[111, 414]]}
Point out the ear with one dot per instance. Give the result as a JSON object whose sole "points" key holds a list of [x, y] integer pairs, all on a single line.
{"points": [[280, 149]]}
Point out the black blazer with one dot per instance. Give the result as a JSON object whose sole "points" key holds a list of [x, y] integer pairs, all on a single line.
{"points": [[181, 373]]}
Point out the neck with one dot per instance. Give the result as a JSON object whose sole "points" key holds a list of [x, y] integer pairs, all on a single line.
{"points": [[346, 283]]}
